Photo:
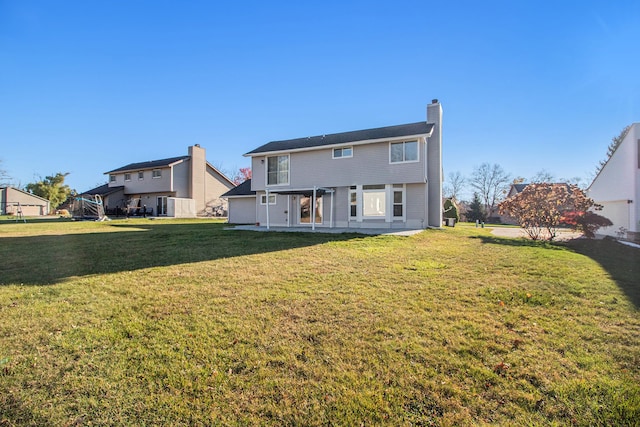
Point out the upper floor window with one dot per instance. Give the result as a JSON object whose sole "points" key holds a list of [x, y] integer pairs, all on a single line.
{"points": [[278, 170], [127, 177], [140, 176], [400, 152], [112, 178], [156, 173], [341, 153]]}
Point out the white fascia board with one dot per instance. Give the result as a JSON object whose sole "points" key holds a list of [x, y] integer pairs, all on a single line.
{"points": [[343, 144], [239, 197], [168, 165]]}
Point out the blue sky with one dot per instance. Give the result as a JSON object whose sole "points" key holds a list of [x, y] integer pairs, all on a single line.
{"points": [[89, 86]]}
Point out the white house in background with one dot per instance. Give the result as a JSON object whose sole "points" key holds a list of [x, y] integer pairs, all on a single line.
{"points": [[184, 186], [14, 201], [617, 187], [389, 177]]}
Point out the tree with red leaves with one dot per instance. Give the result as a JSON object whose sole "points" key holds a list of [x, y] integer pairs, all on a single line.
{"points": [[241, 175], [543, 207]]}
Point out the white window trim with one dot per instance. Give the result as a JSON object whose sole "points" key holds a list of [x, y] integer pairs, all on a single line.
{"points": [[125, 177], [266, 171], [112, 177], [384, 190], [140, 178], [263, 199], [403, 151], [333, 152], [358, 192], [153, 173], [404, 203], [389, 190]]}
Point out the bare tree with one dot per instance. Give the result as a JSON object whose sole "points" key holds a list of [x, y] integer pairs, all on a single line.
{"points": [[454, 185], [542, 176], [492, 184], [4, 176]]}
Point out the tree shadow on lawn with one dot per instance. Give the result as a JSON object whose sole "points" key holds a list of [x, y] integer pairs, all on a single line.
{"points": [[620, 261], [49, 259]]}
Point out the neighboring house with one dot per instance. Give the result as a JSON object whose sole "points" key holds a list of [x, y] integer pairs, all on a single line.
{"points": [[242, 204], [183, 186], [617, 187], [13, 200], [389, 177], [514, 190]]}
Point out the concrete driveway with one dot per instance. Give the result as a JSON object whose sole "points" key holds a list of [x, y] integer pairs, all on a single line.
{"points": [[513, 232]]}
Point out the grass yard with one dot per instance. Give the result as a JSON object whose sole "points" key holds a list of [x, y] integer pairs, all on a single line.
{"points": [[140, 322]]}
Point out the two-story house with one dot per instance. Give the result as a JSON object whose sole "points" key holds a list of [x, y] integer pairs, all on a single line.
{"points": [[184, 186], [389, 177], [617, 187]]}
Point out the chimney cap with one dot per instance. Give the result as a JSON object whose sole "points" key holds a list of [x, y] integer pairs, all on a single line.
{"points": [[434, 101], [197, 145]]}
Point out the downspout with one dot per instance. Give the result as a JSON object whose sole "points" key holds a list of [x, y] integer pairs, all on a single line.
{"points": [[288, 210]]}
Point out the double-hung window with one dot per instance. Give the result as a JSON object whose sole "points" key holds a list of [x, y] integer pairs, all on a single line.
{"points": [[140, 175], [156, 173], [272, 199], [127, 177], [398, 201], [341, 153], [112, 178], [402, 152], [278, 170]]}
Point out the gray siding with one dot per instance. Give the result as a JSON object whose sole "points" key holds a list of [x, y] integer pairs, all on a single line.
{"points": [[242, 210], [369, 165], [181, 179]]}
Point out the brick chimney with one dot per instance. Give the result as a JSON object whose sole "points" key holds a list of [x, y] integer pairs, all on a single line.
{"points": [[197, 171], [434, 166]]}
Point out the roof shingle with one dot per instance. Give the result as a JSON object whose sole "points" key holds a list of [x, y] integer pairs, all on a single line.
{"points": [[418, 128]]}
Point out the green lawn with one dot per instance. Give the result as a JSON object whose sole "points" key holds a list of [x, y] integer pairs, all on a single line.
{"points": [[141, 322]]}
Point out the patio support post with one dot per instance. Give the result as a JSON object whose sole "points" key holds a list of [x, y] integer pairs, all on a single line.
{"points": [[331, 212], [313, 206], [267, 205]]}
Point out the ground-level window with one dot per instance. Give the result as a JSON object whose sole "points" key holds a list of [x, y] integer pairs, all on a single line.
{"points": [[398, 200], [272, 199], [353, 201], [156, 173], [374, 201], [341, 153], [388, 202]]}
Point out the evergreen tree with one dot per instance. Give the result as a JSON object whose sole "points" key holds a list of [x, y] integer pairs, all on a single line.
{"points": [[476, 210]]}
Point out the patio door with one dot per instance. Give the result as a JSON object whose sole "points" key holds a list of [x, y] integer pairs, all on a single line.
{"points": [[306, 213], [161, 208]]}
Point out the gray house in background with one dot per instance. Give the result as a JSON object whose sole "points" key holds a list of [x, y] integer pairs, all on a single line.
{"points": [[389, 177], [185, 186]]}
